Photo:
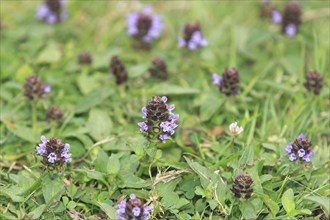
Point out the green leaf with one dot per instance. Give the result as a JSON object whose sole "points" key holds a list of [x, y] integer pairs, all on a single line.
{"points": [[36, 213], [21, 131], [23, 72], [113, 165], [247, 156], [108, 209], [71, 205], [50, 54], [87, 83], [137, 70], [164, 188], [132, 181], [167, 89], [288, 202], [52, 189], [209, 105], [201, 171], [93, 99], [274, 208], [101, 162], [321, 200], [99, 124]]}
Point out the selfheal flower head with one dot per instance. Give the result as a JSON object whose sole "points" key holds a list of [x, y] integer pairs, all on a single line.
{"points": [[235, 130], [85, 58], [52, 11], [144, 27], [54, 113], [119, 70], [34, 88], [228, 83], [313, 82], [192, 36], [159, 69], [300, 149], [242, 186], [54, 152], [291, 18], [160, 120], [134, 208]]}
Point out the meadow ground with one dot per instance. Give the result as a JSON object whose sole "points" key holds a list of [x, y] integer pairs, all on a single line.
{"points": [[202, 168]]}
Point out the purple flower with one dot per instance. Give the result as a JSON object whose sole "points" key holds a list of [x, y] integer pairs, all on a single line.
{"points": [[133, 209], [143, 126], [291, 30], [47, 88], [276, 16], [51, 157], [41, 149], [52, 11], [193, 38], [293, 157], [144, 26], [300, 149], [160, 120], [216, 79]]}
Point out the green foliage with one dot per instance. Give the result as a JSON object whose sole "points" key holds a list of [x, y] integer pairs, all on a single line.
{"points": [[190, 176]]}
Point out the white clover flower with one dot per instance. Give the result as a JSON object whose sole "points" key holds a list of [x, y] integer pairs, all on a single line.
{"points": [[235, 130]]}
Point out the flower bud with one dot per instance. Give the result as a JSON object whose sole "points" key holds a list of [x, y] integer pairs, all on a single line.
{"points": [[34, 88], [160, 121], [314, 82], [134, 208], [54, 113], [85, 58], [159, 69], [242, 186], [235, 130], [118, 69]]}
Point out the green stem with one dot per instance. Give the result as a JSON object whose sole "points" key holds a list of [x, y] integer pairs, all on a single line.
{"points": [[232, 145], [52, 128], [34, 117]]}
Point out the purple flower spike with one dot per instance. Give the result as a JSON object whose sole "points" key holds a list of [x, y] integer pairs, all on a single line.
{"points": [[52, 11], [134, 208], [192, 37], [300, 149]]}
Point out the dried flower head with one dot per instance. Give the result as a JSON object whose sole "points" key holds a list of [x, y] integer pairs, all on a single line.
{"points": [[85, 58], [34, 88], [314, 82], [300, 149], [52, 11], [192, 36], [144, 27], [291, 18], [159, 69], [160, 121], [54, 152], [234, 129], [242, 186], [118, 69], [133, 209], [229, 82], [54, 113]]}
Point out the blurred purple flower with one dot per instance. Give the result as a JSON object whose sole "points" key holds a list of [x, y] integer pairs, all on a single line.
{"points": [[192, 37], [291, 30], [52, 11], [276, 16]]}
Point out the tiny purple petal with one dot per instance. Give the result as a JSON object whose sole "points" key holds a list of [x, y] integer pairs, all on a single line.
{"points": [[289, 149], [144, 110], [171, 107], [41, 149], [163, 137], [293, 157], [174, 117], [147, 9], [216, 79], [276, 17], [132, 196], [301, 152], [47, 88], [291, 30], [43, 139], [143, 126], [122, 205], [136, 211], [164, 99], [51, 157], [301, 135], [181, 42]]}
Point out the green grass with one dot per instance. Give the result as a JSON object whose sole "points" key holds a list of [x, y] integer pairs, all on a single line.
{"points": [[111, 157]]}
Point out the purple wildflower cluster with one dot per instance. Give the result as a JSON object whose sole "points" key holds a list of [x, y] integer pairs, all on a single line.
{"points": [[160, 120], [144, 26], [228, 84], [34, 88], [53, 151], [52, 11], [133, 209], [300, 149], [192, 36]]}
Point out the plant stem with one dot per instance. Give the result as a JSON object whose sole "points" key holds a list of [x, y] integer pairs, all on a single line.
{"points": [[52, 128], [34, 117], [232, 145]]}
